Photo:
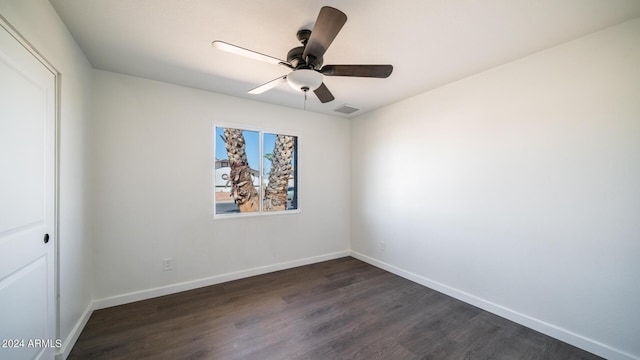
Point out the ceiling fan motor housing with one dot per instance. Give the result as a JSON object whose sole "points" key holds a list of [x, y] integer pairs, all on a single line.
{"points": [[295, 58]]}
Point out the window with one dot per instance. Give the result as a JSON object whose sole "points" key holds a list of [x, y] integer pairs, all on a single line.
{"points": [[255, 172]]}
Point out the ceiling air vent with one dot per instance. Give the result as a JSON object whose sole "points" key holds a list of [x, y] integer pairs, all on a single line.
{"points": [[346, 109]]}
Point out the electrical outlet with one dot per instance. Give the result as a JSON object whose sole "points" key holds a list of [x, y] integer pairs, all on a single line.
{"points": [[167, 264], [382, 246]]}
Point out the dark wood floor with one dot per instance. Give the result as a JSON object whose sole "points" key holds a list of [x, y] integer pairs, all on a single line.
{"points": [[339, 309]]}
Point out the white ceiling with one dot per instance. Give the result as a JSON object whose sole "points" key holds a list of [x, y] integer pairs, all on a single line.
{"points": [[429, 42]]}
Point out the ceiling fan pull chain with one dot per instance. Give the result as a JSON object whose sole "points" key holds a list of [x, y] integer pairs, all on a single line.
{"points": [[305, 98]]}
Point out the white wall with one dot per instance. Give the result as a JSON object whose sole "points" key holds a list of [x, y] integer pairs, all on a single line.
{"points": [[517, 189], [152, 174], [38, 22]]}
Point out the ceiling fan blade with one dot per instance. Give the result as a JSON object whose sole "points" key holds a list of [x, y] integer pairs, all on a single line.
{"points": [[323, 94], [221, 45], [327, 26], [375, 71], [268, 86]]}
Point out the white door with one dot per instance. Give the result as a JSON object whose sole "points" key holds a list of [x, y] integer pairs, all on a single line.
{"points": [[27, 204]]}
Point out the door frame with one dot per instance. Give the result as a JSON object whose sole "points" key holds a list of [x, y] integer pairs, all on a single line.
{"points": [[7, 26]]}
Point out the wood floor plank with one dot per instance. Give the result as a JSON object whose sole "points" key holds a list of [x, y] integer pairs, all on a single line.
{"points": [[338, 309]]}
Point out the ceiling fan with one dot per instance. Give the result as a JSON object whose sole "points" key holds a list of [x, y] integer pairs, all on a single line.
{"points": [[306, 61]]}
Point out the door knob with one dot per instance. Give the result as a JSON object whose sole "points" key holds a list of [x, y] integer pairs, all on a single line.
{"points": [[46, 238]]}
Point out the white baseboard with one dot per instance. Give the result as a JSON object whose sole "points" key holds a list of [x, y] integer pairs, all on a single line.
{"points": [[565, 335], [68, 343], [194, 284]]}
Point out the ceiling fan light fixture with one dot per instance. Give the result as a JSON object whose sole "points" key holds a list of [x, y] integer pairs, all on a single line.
{"points": [[304, 80]]}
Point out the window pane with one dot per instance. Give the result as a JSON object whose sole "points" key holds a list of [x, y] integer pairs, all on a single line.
{"points": [[237, 178], [280, 172]]}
